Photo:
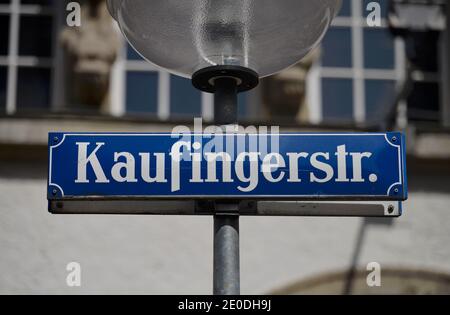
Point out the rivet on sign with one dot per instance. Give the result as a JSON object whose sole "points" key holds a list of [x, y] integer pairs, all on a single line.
{"points": [[54, 191], [391, 208], [55, 139], [396, 190], [394, 138]]}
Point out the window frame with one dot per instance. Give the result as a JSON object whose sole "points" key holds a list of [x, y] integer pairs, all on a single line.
{"points": [[359, 73], [13, 61], [118, 86], [356, 22]]}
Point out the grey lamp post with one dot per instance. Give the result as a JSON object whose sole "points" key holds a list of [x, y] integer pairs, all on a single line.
{"points": [[224, 46]]}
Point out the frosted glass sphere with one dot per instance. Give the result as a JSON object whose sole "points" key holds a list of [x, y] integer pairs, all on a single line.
{"points": [[183, 36]]}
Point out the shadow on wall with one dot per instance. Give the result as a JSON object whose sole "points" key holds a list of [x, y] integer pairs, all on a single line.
{"points": [[428, 175], [23, 162], [394, 281]]}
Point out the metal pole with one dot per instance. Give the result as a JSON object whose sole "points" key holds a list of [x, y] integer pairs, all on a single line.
{"points": [[226, 255], [226, 225], [225, 101]]}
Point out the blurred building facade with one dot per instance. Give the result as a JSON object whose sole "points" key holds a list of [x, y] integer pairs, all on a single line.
{"points": [[359, 73], [352, 82]]}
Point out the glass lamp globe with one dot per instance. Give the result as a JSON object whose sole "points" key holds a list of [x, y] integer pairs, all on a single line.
{"points": [[184, 36]]}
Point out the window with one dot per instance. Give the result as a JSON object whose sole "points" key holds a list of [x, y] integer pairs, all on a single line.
{"points": [[26, 54], [33, 72], [424, 102], [140, 88], [379, 50], [361, 70], [361, 67], [380, 95], [32, 69], [337, 48], [142, 92], [337, 98], [185, 100], [346, 9]]}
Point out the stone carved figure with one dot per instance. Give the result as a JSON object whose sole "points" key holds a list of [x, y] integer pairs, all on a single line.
{"points": [[284, 94], [91, 50]]}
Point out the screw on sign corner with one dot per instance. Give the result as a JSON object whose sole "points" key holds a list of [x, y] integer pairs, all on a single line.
{"points": [[391, 209]]}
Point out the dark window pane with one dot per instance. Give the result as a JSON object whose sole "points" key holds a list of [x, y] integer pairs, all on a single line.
{"points": [[242, 105], [132, 53], [422, 49], [423, 102], [337, 48], [185, 100], [33, 89], [337, 99], [380, 96], [378, 49], [346, 9], [4, 34], [35, 36], [3, 76], [142, 92], [383, 5]]}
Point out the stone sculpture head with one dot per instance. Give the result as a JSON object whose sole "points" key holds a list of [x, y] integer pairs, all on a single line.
{"points": [[92, 49]]}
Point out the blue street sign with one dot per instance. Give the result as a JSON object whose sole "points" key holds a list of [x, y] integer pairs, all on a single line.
{"points": [[353, 166]]}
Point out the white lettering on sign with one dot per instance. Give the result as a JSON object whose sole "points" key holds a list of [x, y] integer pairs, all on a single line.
{"points": [[212, 158], [268, 167], [293, 167], [92, 159], [342, 164], [145, 168], [124, 172], [321, 166], [252, 179]]}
